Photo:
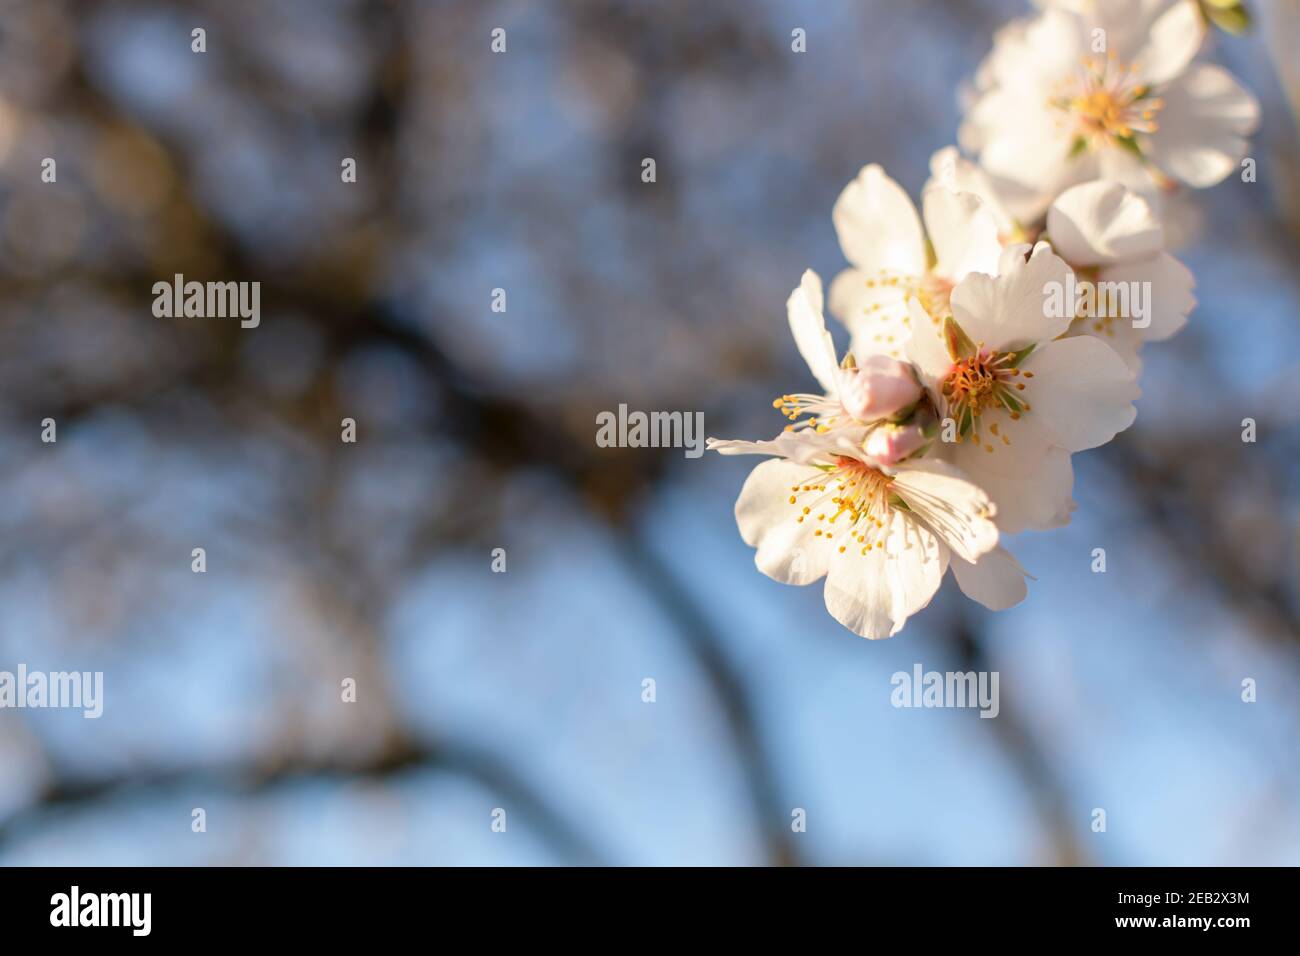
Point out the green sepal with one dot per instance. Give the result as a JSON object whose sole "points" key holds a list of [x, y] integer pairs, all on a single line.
{"points": [[1229, 17], [1018, 357], [967, 423], [1130, 144], [958, 342]]}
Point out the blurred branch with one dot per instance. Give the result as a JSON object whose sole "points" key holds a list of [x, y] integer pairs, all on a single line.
{"points": [[1194, 527], [1046, 792], [705, 645], [401, 755]]}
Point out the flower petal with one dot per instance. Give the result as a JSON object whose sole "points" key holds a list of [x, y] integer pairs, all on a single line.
{"points": [[963, 232], [1170, 296], [1203, 127], [877, 225], [804, 446], [997, 580], [1175, 33], [874, 594], [949, 168], [874, 312], [925, 346], [1010, 312], [1100, 222], [1026, 150], [1082, 391], [1032, 495], [787, 551], [807, 324], [960, 513]]}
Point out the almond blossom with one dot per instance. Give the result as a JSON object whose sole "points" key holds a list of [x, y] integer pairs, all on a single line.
{"points": [[883, 239], [1105, 90], [1017, 398], [998, 332], [882, 530], [1113, 241]]}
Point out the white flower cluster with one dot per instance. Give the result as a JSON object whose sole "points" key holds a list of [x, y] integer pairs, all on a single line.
{"points": [[1000, 330]]}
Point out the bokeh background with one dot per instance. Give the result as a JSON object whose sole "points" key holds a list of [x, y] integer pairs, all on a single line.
{"points": [[372, 560]]}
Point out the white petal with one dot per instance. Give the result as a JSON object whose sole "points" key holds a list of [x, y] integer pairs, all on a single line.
{"points": [[997, 580], [1172, 40], [877, 225], [925, 345], [953, 508], [874, 312], [951, 169], [808, 326], [788, 551], [1203, 127], [1170, 285], [1119, 165], [1081, 391], [874, 594], [963, 232], [804, 446], [1100, 222], [1028, 149], [1035, 494], [1010, 312]]}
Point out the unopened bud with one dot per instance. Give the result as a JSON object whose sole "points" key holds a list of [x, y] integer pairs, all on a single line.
{"points": [[890, 444], [877, 388]]}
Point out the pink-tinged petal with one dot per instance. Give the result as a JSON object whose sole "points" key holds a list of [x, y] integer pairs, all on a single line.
{"points": [[808, 326], [887, 445], [996, 580], [877, 225], [877, 387], [1082, 392], [1206, 118], [1099, 223]]}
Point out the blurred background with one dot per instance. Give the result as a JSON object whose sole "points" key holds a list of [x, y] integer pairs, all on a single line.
{"points": [[523, 690]]}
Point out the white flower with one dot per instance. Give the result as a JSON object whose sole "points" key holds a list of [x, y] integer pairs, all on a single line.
{"points": [[1017, 398], [1115, 244], [1107, 91], [881, 235], [882, 536]]}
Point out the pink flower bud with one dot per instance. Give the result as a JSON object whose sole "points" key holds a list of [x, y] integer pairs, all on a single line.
{"points": [[877, 388], [890, 444]]}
